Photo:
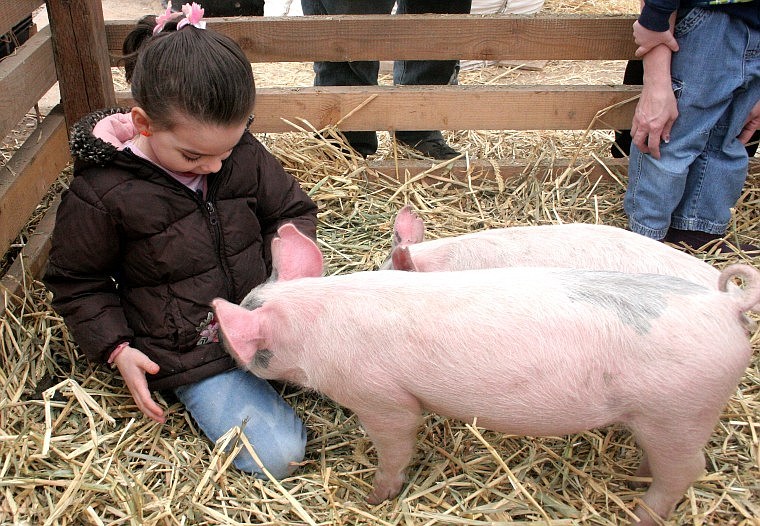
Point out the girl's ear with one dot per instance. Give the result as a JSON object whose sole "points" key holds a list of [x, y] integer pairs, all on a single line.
{"points": [[143, 124]]}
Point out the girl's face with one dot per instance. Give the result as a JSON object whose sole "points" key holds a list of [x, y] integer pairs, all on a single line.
{"points": [[190, 146]]}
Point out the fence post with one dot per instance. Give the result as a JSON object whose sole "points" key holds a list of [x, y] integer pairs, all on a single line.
{"points": [[81, 56]]}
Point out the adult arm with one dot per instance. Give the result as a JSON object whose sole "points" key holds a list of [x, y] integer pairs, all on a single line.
{"points": [[656, 110]]}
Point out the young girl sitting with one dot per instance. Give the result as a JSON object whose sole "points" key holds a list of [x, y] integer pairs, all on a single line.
{"points": [[173, 203]]}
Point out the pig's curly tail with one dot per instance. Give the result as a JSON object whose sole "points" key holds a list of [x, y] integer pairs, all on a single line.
{"points": [[749, 297]]}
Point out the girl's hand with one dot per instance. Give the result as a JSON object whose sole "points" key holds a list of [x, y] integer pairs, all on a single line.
{"points": [[133, 365]]}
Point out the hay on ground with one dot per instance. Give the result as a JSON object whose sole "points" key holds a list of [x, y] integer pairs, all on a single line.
{"points": [[74, 449]]}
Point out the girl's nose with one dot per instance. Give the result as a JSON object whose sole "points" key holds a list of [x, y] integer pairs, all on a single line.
{"points": [[213, 165]]}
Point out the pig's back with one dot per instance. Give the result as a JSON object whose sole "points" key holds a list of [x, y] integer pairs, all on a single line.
{"points": [[510, 341], [577, 245]]}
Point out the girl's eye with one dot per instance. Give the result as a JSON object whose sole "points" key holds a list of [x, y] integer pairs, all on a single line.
{"points": [[190, 159]]}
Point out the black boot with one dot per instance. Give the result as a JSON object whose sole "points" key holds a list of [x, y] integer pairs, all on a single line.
{"points": [[696, 240], [429, 143]]}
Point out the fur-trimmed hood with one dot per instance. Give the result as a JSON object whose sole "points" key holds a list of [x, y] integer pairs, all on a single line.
{"points": [[89, 148]]}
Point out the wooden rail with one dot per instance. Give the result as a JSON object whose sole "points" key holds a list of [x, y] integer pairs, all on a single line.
{"points": [[419, 37], [440, 107]]}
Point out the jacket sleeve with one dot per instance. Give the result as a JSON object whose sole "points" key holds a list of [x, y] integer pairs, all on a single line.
{"points": [[81, 273], [281, 200], [655, 15]]}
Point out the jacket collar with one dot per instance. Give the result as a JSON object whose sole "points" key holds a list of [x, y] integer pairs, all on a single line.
{"points": [[85, 146]]}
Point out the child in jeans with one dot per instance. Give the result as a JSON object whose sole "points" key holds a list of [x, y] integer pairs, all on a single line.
{"points": [[699, 106], [174, 203]]}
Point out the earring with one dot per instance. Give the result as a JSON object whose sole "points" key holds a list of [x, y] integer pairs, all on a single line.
{"points": [[145, 133]]}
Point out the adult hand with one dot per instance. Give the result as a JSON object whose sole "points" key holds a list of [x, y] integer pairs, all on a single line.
{"points": [[653, 119], [133, 365], [647, 39], [752, 124], [656, 110]]}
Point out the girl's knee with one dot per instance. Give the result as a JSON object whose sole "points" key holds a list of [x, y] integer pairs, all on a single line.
{"points": [[280, 457]]}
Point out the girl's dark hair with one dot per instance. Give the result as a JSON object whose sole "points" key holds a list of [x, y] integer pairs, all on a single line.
{"points": [[195, 72]]}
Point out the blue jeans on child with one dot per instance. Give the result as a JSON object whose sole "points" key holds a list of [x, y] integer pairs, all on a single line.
{"points": [[405, 72], [220, 402], [701, 171]]}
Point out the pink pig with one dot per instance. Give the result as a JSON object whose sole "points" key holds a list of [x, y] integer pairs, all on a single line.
{"points": [[578, 245], [545, 351]]}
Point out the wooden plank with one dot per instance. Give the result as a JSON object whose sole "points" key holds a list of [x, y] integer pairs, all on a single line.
{"points": [[81, 57], [440, 107], [406, 171], [415, 37], [27, 176], [31, 261], [25, 76], [14, 11]]}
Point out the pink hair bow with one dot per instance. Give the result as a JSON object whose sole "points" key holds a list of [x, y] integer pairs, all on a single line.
{"points": [[161, 20], [193, 14]]}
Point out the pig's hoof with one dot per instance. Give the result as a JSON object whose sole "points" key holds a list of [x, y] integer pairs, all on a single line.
{"points": [[382, 493], [378, 496], [374, 499]]}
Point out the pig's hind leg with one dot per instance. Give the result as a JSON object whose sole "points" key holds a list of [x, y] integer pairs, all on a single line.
{"points": [[674, 457], [394, 435]]}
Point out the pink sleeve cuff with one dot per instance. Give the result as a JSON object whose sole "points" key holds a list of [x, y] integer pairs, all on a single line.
{"points": [[117, 351]]}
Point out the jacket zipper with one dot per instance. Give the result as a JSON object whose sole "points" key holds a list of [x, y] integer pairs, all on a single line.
{"points": [[213, 220], [209, 210]]}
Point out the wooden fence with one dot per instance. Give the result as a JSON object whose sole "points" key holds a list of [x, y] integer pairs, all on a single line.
{"points": [[78, 49]]}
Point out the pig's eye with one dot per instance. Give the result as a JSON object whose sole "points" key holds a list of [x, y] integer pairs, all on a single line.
{"points": [[262, 358]]}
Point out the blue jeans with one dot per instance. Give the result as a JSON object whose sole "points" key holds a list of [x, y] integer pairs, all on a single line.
{"points": [[221, 402], [701, 171], [405, 72]]}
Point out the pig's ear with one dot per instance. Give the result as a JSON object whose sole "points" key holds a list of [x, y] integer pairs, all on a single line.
{"points": [[240, 330], [402, 259], [294, 255], [408, 228]]}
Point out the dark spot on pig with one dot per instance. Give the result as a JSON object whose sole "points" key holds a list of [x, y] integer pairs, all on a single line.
{"points": [[252, 302], [637, 299], [262, 358]]}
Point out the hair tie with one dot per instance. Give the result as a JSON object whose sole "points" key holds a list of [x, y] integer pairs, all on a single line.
{"points": [[192, 13]]}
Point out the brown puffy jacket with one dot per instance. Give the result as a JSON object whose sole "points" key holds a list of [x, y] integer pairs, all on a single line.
{"points": [[137, 256]]}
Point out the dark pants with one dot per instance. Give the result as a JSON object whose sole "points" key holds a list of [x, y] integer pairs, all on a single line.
{"points": [[405, 72], [214, 8]]}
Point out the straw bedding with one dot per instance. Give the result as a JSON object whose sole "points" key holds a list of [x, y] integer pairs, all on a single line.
{"points": [[74, 449]]}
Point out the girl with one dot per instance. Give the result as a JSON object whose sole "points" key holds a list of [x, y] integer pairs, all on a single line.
{"points": [[172, 204]]}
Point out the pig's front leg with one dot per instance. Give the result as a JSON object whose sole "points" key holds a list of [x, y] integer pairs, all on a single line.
{"points": [[394, 434]]}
